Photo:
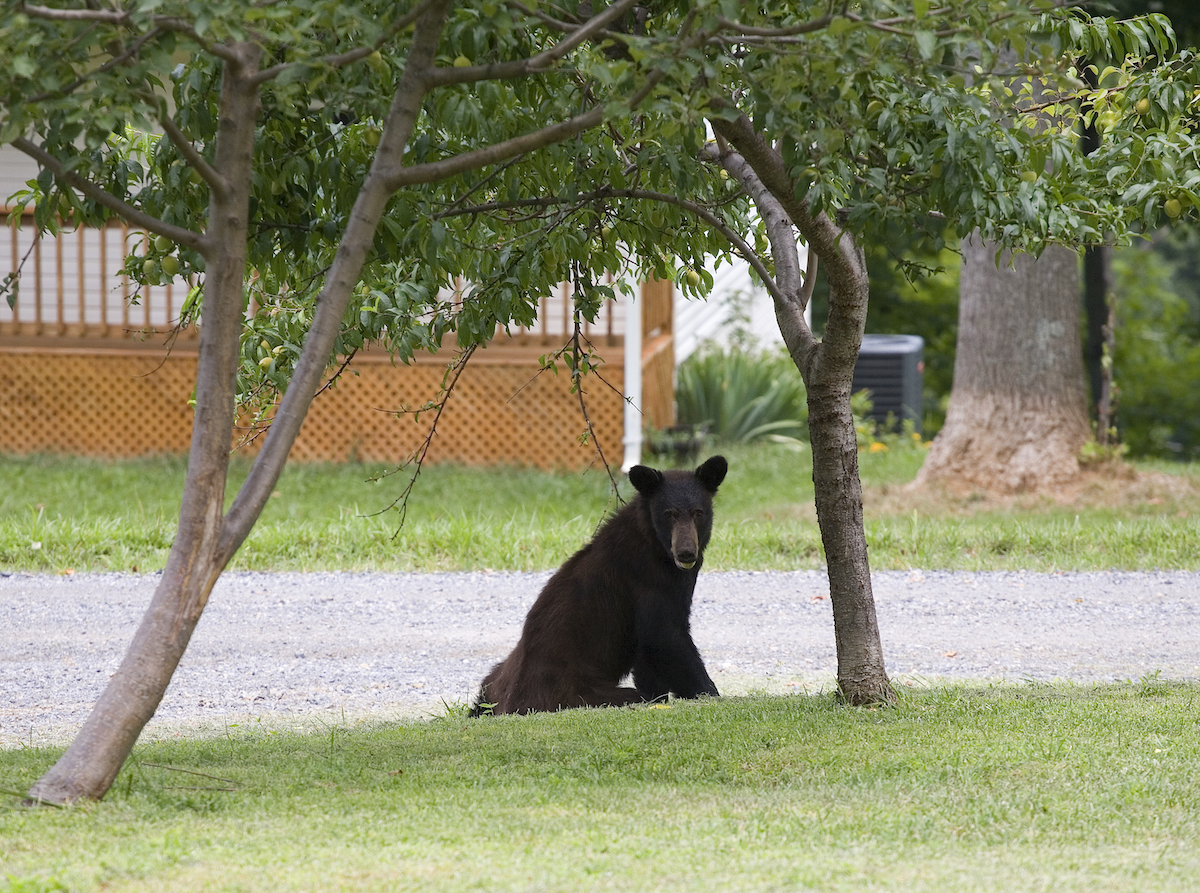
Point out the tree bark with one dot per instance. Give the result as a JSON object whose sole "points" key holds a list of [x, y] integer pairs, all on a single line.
{"points": [[862, 677], [1097, 303], [1098, 347], [827, 367], [91, 763], [1018, 413], [206, 539]]}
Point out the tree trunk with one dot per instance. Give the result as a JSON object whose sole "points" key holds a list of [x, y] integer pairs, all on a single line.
{"points": [[862, 678], [206, 540], [1098, 348], [827, 368], [1018, 414], [1097, 302], [92, 762]]}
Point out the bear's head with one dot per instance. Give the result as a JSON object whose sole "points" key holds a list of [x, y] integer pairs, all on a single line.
{"points": [[680, 506]]}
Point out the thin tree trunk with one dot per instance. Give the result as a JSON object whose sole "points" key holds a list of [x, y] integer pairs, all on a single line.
{"points": [[91, 763], [862, 678], [827, 368], [1097, 300], [206, 541], [1018, 414], [1099, 311]]}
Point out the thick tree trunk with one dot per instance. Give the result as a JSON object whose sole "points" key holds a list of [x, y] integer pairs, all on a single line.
{"points": [[1018, 414], [827, 368]]}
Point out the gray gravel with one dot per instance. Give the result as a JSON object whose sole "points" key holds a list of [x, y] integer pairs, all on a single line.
{"points": [[324, 647]]}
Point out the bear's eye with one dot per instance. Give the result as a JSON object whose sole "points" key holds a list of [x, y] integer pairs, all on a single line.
{"points": [[698, 513], [671, 514]]}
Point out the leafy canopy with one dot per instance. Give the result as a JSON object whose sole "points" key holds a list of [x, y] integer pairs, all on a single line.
{"points": [[891, 117]]}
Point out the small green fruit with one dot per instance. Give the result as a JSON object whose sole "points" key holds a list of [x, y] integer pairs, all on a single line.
{"points": [[874, 107], [170, 265], [692, 278], [265, 362], [1143, 106], [371, 136], [162, 243], [1172, 207], [461, 62], [377, 63], [1029, 176], [150, 269]]}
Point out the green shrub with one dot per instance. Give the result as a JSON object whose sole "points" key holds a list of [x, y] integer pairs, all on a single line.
{"points": [[742, 396], [1157, 360]]}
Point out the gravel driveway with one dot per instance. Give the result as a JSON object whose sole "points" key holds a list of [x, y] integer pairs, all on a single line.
{"points": [[328, 646]]}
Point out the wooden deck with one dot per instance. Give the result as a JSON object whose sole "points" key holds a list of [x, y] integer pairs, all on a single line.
{"points": [[84, 370]]}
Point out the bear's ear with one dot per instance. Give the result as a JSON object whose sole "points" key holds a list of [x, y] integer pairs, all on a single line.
{"points": [[712, 472], [645, 480]]}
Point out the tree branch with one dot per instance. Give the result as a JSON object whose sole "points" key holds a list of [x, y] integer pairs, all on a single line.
{"points": [[768, 166], [449, 380], [845, 263], [339, 60], [212, 177], [518, 68], [112, 63], [548, 20], [113, 17], [737, 242], [805, 28], [791, 293], [177, 234], [448, 167], [457, 164], [75, 15]]}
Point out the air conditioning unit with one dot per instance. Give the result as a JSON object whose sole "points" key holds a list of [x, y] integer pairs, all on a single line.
{"points": [[892, 368]]}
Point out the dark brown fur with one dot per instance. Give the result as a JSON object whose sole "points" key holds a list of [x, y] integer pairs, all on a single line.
{"points": [[621, 603]]}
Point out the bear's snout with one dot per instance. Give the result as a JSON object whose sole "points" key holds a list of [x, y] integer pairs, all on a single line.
{"points": [[685, 545]]}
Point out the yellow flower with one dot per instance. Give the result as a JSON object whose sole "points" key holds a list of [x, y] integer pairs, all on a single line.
{"points": [[878, 447]]}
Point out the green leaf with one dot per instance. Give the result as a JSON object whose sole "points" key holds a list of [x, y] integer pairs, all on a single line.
{"points": [[926, 42]]}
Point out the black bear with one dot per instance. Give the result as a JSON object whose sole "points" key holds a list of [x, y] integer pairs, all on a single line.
{"points": [[620, 603]]}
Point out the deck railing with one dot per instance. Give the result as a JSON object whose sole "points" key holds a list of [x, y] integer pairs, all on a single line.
{"points": [[71, 287], [72, 290]]}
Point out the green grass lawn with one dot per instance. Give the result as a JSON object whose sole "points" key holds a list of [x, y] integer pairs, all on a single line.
{"points": [[1010, 788], [958, 789], [58, 514]]}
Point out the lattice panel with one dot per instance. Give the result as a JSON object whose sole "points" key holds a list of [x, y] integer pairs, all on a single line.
{"points": [[120, 405], [498, 413], [95, 404]]}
